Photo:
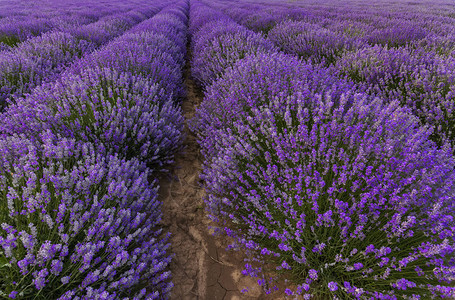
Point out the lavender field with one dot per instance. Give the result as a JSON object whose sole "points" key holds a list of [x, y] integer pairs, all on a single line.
{"points": [[227, 149]]}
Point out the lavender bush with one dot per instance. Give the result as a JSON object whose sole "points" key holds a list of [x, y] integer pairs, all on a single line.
{"points": [[27, 66], [14, 30], [79, 218], [441, 45], [212, 57], [168, 20], [311, 41], [212, 30], [165, 28], [201, 14], [345, 195], [420, 80], [141, 59], [265, 77], [163, 42], [77, 224], [111, 26], [123, 97], [397, 33], [126, 114]]}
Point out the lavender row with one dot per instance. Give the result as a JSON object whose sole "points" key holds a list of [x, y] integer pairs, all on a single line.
{"points": [[21, 24], [218, 42], [77, 224], [45, 8], [342, 193], [318, 33], [389, 24], [125, 96], [81, 218], [418, 73], [42, 58], [423, 82], [14, 30]]}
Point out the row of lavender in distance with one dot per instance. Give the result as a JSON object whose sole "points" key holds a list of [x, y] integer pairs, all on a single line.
{"points": [[23, 22], [393, 24], [343, 194], [423, 81], [321, 34], [42, 58], [409, 56], [49, 8], [222, 44], [80, 219], [151, 75]]}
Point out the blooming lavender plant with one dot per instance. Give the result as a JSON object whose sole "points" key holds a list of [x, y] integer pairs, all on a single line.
{"points": [[78, 221], [397, 33], [266, 77], [422, 81], [14, 30], [312, 41], [211, 58], [4, 47], [140, 59], [36, 59], [126, 114], [213, 29], [129, 112], [169, 25], [180, 13], [201, 14], [347, 196], [215, 50], [163, 42], [77, 224], [441, 45], [108, 27]]}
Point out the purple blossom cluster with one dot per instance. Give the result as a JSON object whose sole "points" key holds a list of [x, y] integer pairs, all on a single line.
{"points": [[80, 217], [396, 53], [289, 74], [315, 178], [16, 29], [121, 112], [400, 21]]}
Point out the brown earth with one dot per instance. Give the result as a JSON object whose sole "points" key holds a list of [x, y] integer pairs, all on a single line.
{"points": [[201, 268]]}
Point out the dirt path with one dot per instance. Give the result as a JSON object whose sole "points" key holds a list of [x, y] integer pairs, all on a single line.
{"points": [[201, 268]]}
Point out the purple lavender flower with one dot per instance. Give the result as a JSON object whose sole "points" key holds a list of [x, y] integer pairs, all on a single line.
{"points": [[422, 81], [333, 286], [41, 59], [313, 274]]}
